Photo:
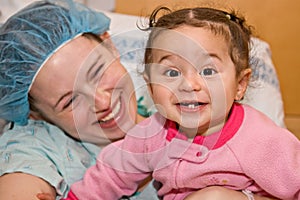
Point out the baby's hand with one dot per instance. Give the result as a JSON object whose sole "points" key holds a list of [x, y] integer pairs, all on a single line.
{"points": [[45, 196]]}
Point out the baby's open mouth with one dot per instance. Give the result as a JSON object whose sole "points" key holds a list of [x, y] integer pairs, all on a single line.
{"points": [[191, 104]]}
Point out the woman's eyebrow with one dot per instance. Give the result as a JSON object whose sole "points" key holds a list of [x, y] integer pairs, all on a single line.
{"points": [[93, 65]]}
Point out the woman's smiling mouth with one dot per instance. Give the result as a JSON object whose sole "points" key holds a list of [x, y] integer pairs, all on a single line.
{"points": [[112, 115], [115, 114]]}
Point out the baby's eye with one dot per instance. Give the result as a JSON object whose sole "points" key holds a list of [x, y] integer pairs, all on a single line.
{"points": [[172, 73], [208, 72]]}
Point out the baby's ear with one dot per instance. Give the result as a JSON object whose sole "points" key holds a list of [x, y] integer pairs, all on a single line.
{"points": [[146, 77], [243, 81]]}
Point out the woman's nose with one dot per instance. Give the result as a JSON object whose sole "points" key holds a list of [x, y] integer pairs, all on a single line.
{"points": [[102, 100]]}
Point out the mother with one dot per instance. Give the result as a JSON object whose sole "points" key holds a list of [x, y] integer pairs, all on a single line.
{"points": [[43, 53], [65, 96]]}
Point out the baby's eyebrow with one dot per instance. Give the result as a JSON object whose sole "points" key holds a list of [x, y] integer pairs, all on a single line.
{"points": [[164, 58], [215, 56]]}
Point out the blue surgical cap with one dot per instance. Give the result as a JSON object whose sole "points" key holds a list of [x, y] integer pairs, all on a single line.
{"points": [[31, 36]]}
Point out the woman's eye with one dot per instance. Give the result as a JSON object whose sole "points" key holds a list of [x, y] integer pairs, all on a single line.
{"points": [[172, 73], [96, 74], [69, 102], [208, 72]]}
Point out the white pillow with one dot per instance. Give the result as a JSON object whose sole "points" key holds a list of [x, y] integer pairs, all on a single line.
{"points": [[263, 92]]}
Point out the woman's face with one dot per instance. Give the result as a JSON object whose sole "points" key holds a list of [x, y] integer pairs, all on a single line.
{"points": [[85, 90]]}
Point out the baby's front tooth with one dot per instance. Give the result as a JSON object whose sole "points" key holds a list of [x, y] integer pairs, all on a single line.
{"points": [[191, 106]]}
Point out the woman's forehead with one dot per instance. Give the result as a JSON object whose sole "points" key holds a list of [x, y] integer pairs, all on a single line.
{"points": [[75, 56]]}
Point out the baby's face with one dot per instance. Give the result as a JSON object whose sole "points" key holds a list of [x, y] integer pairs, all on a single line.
{"points": [[193, 79]]}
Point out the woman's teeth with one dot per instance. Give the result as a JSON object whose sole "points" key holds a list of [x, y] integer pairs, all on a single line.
{"points": [[113, 113]]}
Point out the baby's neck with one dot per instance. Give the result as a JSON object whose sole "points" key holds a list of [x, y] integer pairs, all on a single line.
{"points": [[204, 131]]}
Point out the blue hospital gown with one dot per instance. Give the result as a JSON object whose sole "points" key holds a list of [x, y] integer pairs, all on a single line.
{"points": [[43, 150]]}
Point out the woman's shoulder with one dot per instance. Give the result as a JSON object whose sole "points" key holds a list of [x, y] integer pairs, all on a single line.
{"points": [[39, 137], [44, 151], [34, 132]]}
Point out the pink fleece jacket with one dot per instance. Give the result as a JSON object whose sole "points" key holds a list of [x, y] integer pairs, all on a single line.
{"points": [[250, 152]]}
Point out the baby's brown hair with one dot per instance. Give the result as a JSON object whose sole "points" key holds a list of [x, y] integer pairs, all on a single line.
{"points": [[229, 25]]}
